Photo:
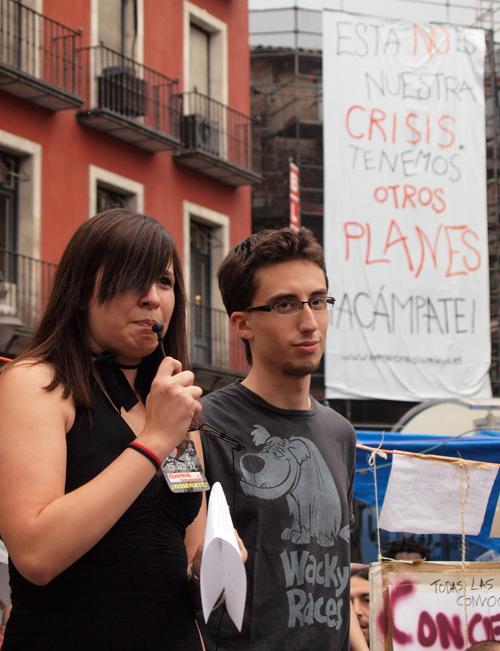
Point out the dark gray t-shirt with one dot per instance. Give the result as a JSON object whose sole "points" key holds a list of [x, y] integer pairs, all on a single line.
{"points": [[289, 494]]}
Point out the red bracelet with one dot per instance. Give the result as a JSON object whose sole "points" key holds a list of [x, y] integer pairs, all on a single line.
{"points": [[138, 447]]}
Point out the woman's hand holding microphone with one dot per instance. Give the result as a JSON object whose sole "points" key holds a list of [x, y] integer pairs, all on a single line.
{"points": [[171, 405]]}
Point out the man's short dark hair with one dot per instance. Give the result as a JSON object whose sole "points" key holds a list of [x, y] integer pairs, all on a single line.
{"points": [[363, 573], [408, 544], [268, 247]]}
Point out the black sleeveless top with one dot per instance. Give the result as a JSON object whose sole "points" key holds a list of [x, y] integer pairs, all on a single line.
{"points": [[129, 592]]}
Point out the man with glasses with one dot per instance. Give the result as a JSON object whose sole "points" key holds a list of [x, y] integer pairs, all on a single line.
{"points": [[289, 488]]}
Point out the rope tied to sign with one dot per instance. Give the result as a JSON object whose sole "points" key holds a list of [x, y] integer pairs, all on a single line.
{"points": [[372, 462]]}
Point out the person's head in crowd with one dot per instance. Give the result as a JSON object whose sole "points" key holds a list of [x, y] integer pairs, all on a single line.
{"points": [[487, 645], [239, 272], [360, 599], [116, 251], [407, 548]]}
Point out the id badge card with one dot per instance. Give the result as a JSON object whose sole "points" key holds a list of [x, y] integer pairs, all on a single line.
{"points": [[182, 470]]}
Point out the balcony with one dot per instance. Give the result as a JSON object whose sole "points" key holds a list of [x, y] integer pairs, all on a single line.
{"points": [[218, 141], [217, 355], [130, 101], [39, 58], [25, 284]]}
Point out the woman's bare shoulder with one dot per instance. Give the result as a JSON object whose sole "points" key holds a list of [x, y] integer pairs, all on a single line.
{"points": [[29, 372], [25, 382]]}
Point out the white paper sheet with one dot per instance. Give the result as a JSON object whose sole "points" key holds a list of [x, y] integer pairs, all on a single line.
{"points": [[424, 496], [222, 567]]}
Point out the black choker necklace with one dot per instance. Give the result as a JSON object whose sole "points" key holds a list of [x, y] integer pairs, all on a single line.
{"points": [[127, 366]]}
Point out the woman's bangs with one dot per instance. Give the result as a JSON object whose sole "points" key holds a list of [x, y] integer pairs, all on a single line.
{"points": [[136, 267]]}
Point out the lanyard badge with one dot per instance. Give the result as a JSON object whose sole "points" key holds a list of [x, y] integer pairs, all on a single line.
{"points": [[182, 470]]}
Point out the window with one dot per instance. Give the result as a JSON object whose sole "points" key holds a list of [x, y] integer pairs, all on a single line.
{"points": [[201, 239], [110, 190], [25, 278], [205, 53], [206, 241], [199, 59], [9, 201], [110, 198], [118, 25]]}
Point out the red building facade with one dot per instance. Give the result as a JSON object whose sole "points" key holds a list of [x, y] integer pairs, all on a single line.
{"points": [[124, 102]]}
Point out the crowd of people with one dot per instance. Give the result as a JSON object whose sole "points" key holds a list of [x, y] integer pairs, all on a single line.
{"points": [[98, 417]]}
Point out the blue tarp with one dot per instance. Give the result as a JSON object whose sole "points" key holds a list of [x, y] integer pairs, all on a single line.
{"points": [[482, 446]]}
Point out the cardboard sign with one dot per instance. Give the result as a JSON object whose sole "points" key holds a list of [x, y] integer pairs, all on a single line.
{"points": [[433, 606]]}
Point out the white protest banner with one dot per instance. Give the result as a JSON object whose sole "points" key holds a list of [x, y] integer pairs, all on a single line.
{"points": [[405, 223], [433, 606], [432, 495]]}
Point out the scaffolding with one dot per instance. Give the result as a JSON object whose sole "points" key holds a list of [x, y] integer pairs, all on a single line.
{"points": [[287, 97], [286, 85], [487, 16]]}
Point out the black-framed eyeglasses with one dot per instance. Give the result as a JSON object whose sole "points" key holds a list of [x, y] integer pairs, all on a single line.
{"points": [[289, 308], [210, 429]]}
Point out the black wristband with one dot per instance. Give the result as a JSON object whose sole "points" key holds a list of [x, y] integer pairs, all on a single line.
{"points": [[141, 449]]}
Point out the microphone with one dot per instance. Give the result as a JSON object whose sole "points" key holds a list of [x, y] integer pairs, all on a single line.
{"points": [[157, 328]]}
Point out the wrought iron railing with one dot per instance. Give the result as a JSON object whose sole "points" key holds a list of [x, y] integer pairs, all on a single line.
{"points": [[216, 129], [122, 86], [25, 284], [212, 342], [38, 46]]}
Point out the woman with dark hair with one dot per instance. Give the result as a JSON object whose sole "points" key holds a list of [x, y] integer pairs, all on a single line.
{"points": [[89, 413]]}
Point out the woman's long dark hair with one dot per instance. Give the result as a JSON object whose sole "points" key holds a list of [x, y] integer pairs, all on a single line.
{"points": [[124, 250]]}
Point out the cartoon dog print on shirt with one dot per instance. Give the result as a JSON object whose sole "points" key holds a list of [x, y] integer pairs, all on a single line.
{"points": [[294, 468]]}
